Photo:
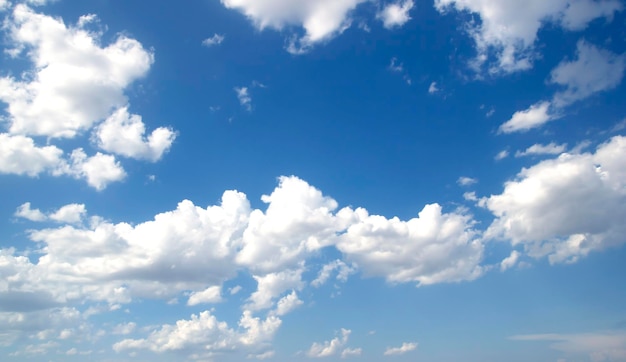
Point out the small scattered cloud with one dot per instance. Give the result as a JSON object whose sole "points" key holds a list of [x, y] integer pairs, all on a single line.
{"points": [[466, 181], [594, 70], [330, 348], [24, 211], [397, 67], [210, 295], [510, 261], [244, 98], [216, 39], [539, 149], [395, 14], [502, 155], [433, 88], [535, 116], [405, 348], [351, 352]]}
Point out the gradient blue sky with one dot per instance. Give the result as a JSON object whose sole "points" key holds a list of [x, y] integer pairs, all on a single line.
{"points": [[294, 180]]}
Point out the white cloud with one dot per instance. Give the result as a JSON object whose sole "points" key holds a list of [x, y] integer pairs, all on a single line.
{"points": [[598, 347], [466, 181], [257, 331], [74, 82], [24, 211], [432, 89], [298, 221], [244, 97], [288, 303], [522, 121], [593, 71], [470, 196], [124, 329], [502, 155], [538, 149], [124, 134], [209, 295], [187, 249], [71, 214], [432, 248], [351, 352], [508, 30], [330, 348], [510, 261], [321, 19], [394, 66], [396, 14], [98, 170], [190, 250], [406, 347], [19, 155], [201, 332], [216, 39], [262, 356], [273, 285], [343, 271], [397, 67], [566, 207]]}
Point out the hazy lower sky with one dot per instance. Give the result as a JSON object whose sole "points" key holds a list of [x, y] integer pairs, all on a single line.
{"points": [[292, 180]]}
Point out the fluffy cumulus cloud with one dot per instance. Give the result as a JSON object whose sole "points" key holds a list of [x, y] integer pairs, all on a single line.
{"points": [[299, 220], [20, 156], [272, 285], [124, 134], [98, 170], [566, 207], [508, 30], [191, 251], [432, 248], [74, 82], [70, 214], [24, 211], [396, 14], [321, 20], [201, 332]]}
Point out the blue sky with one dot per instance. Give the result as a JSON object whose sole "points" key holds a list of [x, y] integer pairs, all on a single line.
{"points": [[292, 180]]}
